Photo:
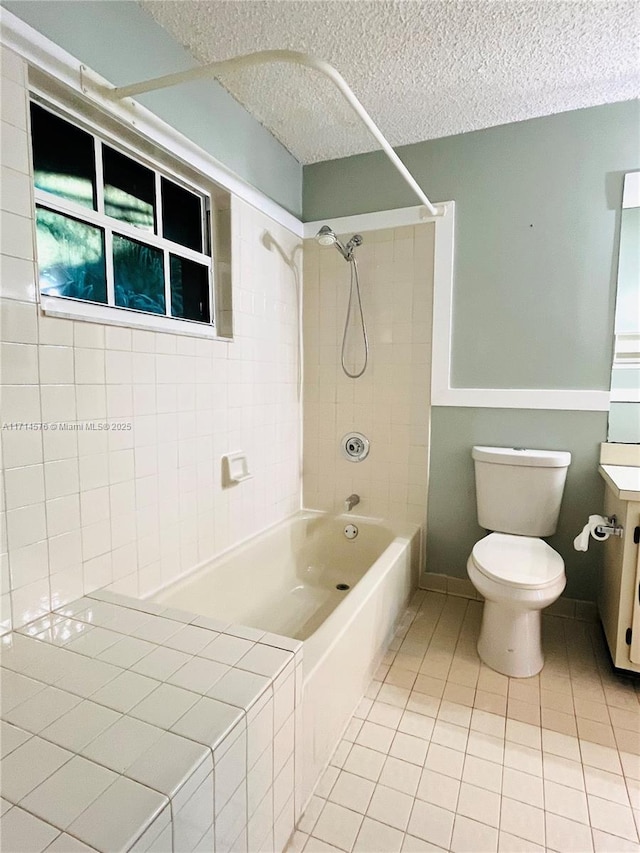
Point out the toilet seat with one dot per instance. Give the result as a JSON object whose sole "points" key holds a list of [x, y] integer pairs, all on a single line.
{"points": [[518, 561]]}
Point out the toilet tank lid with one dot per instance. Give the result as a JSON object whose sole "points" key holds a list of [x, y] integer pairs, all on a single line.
{"points": [[523, 456]]}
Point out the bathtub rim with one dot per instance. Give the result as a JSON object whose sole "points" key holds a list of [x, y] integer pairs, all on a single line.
{"points": [[402, 531], [301, 514]]}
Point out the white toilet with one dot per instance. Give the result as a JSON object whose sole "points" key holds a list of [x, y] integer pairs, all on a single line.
{"points": [[518, 494]]}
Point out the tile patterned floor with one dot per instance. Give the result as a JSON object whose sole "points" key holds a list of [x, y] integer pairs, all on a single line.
{"points": [[443, 753]]}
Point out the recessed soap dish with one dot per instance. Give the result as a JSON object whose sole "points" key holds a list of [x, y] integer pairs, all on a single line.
{"points": [[235, 468]]}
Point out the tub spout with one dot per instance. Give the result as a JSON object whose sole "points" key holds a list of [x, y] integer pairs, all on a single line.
{"points": [[351, 501]]}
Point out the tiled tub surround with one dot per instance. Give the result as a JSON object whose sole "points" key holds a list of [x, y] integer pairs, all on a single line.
{"points": [[136, 509], [130, 726], [390, 402], [444, 754], [285, 581]]}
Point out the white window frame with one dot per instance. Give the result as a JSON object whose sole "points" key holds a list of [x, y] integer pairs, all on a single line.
{"points": [[111, 314]]}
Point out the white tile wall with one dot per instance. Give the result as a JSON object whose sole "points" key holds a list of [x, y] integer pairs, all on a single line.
{"points": [[390, 402], [82, 738], [136, 508]]}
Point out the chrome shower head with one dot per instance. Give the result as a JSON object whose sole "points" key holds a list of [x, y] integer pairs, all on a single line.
{"points": [[325, 236]]}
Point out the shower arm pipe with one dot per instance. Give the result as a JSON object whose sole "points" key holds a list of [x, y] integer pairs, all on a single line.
{"points": [[294, 57]]}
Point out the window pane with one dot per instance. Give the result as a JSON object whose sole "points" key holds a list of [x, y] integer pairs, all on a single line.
{"points": [[70, 257], [181, 216], [189, 290], [63, 158], [138, 274], [129, 190]]}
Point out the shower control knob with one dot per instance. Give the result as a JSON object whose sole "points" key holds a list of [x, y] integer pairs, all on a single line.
{"points": [[355, 446]]}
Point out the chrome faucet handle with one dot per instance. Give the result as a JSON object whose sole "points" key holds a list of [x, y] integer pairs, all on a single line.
{"points": [[351, 501]]}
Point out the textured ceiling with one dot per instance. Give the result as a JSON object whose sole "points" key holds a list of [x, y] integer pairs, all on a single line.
{"points": [[422, 68]]}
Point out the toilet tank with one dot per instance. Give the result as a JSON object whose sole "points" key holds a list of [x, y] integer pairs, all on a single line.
{"points": [[519, 491]]}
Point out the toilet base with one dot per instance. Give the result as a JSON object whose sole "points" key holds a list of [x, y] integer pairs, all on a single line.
{"points": [[510, 640]]}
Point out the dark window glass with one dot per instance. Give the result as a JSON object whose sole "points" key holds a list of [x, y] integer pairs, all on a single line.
{"points": [[63, 158], [138, 273], [189, 290], [129, 190], [181, 216], [70, 257]]}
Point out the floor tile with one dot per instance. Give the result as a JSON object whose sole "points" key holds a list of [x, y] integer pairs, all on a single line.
{"points": [[486, 746], [353, 792], [523, 787], [423, 704], [326, 783], [400, 775], [563, 771], [438, 789], [523, 758], [489, 724], [612, 818], [444, 760], [416, 724], [431, 823], [567, 836], [512, 844], [413, 844], [365, 762], [452, 712], [568, 802], [522, 820], [524, 734], [409, 748], [608, 786], [479, 804], [390, 807], [393, 695], [602, 757], [338, 826], [605, 843], [385, 715], [469, 836], [447, 734], [464, 759], [376, 737], [377, 836]]}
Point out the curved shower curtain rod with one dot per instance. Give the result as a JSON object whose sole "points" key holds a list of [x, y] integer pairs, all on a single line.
{"points": [[296, 58]]}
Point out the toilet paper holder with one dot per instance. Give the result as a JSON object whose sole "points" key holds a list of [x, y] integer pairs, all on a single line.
{"points": [[611, 528]]}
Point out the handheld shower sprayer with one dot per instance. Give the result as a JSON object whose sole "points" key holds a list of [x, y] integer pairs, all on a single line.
{"points": [[326, 236]]}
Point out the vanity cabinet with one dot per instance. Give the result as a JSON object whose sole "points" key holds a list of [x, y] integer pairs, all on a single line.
{"points": [[619, 599]]}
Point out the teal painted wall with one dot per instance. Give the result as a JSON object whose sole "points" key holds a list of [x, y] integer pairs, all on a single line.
{"points": [[537, 222], [119, 40]]}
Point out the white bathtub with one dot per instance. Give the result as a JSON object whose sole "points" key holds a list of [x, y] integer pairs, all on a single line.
{"points": [[284, 581]]}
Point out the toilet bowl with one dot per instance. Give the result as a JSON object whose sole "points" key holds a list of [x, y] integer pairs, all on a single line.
{"points": [[518, 576]]}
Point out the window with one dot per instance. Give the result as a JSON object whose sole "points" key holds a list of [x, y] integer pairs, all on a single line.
{"points": [[113, 230]]}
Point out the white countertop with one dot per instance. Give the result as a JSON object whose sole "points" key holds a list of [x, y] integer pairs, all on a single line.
{"points": [[623, 480]]}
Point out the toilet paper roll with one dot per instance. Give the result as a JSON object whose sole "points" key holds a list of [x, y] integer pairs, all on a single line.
{"points": [[581, 542]]}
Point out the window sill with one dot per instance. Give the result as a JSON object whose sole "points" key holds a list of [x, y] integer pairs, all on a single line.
{"points": [[70, 309]]}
